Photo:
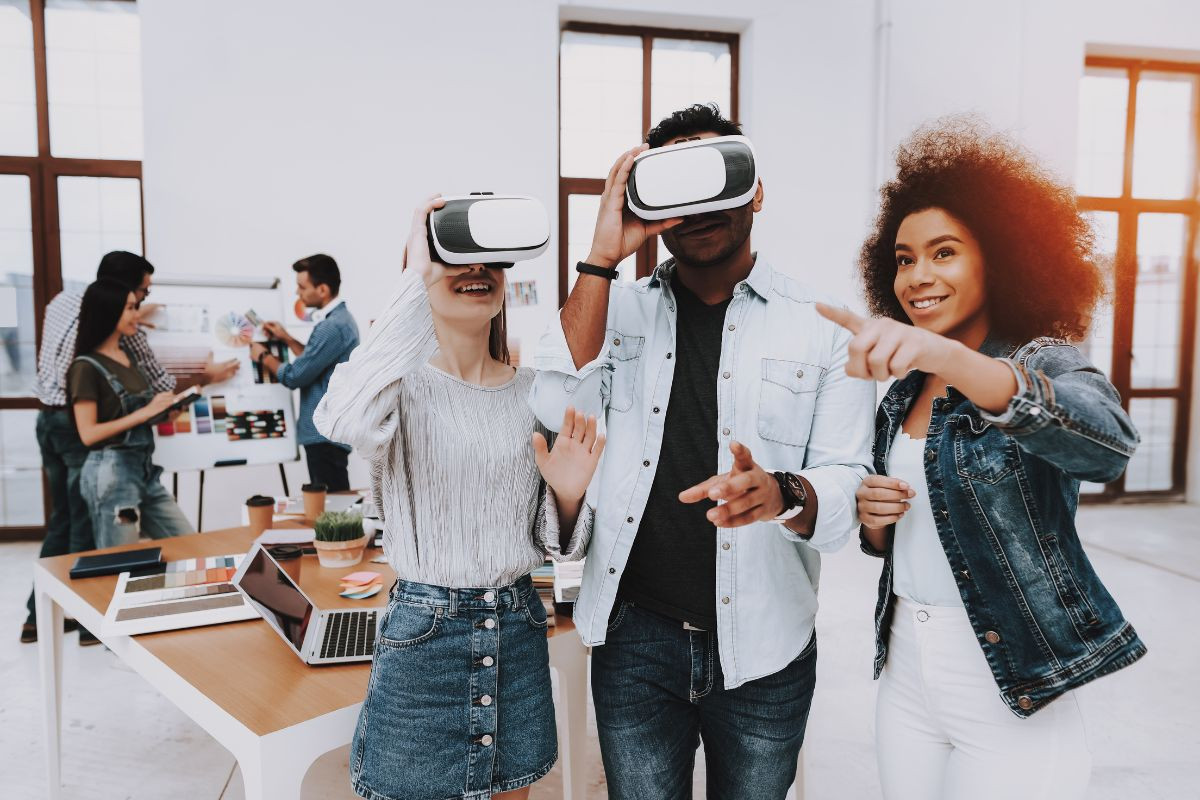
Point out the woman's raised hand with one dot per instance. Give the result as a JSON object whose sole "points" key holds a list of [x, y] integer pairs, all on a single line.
{"points": [[882, 501], [884, 348], [569, 467], [416, 252]]}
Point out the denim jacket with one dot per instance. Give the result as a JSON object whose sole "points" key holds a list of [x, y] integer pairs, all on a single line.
{"points": [[782, 391], [1004, 490]]}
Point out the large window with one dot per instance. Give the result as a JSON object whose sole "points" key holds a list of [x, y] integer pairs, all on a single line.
{"points": [[615, 83], [70, 191], [1137, 177]]}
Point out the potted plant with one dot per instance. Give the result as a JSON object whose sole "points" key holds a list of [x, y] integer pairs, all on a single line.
{"points": [[339, 539]]}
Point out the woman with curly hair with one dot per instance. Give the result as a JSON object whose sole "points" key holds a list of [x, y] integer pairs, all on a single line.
{"points": [[981, 271]]}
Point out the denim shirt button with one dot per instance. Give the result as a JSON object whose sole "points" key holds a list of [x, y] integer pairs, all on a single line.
{"points": [[1035, 411], [992, 637], [1025, 702], [485, 740], [930, 455]]}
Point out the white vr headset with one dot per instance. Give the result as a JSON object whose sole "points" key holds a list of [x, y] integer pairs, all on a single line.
{"points": [[486, 228], [692, 178]]}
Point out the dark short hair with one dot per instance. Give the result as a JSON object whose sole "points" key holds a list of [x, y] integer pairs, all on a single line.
{"points": [[1040, 268], [128, 268], [103, 304], [321, 269], [692, 121]]}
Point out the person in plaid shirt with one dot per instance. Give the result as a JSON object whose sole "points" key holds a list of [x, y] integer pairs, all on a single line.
{"points": [[69, 529]]}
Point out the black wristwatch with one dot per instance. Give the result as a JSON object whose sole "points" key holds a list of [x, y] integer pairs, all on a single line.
{"points": [[592, 269], [791, 488]]}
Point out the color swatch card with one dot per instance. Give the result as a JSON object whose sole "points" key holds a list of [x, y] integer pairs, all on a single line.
{"points": [[177, 594]]}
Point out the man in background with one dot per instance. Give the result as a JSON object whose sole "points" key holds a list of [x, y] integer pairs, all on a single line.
{"points": [[69, 529], [330, 343]]}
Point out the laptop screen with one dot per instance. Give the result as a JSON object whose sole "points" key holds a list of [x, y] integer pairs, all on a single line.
{"points": [[281, 603]]}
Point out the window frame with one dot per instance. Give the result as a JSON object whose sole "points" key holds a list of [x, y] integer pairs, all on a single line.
{"points": [[1128, 208], [646, 257], [43, 171]]}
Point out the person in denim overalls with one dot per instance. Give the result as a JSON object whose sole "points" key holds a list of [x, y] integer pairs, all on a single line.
{"points": [[120, 483]]}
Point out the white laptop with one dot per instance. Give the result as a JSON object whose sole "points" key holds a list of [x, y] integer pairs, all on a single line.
{"points": [[318, 637]]}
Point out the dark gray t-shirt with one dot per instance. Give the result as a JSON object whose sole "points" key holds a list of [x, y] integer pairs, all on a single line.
{"points": [[672, 568]]}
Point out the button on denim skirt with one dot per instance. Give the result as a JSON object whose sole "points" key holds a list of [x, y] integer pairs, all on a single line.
{"points": [[459, 702]]}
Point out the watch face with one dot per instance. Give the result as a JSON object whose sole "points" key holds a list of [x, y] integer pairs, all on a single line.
{"points": [[797, 487]]}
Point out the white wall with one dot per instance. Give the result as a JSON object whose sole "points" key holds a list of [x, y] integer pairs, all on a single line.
{"points": [[282, 127], [278, 128]]}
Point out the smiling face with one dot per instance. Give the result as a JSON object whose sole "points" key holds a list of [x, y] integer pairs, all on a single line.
{"points": [[708, 239], [470, 295], [940, 276], [127, 325]]}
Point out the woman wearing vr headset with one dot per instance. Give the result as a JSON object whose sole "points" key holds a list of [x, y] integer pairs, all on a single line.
{"points": [[459, 701], [981, 272]]}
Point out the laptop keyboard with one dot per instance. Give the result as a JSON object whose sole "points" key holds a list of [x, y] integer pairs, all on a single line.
{"points": [[349, 634]]}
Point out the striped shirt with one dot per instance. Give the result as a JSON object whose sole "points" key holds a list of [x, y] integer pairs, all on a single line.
{"points": [[452, 467], [59, 329]]}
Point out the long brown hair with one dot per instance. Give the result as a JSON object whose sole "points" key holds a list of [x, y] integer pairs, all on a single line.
{"points": [[498, 338]]}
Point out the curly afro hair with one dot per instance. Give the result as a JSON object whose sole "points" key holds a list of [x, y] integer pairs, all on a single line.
{"points": [[1042, 274], [690, 121]]}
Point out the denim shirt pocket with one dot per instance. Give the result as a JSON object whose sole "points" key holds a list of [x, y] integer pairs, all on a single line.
{"points": [[624, 355], [982, 452], [786, 401]]}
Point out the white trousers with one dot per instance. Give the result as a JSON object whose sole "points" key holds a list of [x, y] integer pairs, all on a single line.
{"points": [[943, 733]]}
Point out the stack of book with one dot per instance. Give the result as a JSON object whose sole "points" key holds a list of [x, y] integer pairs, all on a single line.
{"points": [[543, 581]]}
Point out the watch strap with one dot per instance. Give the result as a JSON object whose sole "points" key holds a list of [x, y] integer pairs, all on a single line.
{"points": [[592, 269]]}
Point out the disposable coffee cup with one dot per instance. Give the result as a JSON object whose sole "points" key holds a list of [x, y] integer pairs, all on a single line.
{"points": [[314, 500], [260, 510]]}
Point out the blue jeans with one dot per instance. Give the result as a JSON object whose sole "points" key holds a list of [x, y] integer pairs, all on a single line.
{"points": [[659, 691], [126, 497], [69, 529]]}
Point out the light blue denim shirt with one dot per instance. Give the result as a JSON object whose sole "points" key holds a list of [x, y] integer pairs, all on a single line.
{"points": [[781, 390]]}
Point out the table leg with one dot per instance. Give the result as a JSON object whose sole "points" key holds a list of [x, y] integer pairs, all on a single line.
{"points": [[272, 776], [569, 659], [50, 635]]}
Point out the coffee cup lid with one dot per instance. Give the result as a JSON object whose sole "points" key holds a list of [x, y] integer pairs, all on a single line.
{"points": [[313, 487], [260, 500]]}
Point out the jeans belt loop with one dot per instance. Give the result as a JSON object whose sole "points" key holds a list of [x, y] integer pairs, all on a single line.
{"points": [[453, 602]]}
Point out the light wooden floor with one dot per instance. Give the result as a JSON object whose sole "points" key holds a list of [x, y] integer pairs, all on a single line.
{"points": [[122, 740]]}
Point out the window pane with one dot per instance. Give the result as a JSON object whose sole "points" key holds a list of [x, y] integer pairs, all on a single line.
{"points": [[18, 353], [1163, 136], [1158, 306], [18, 101], [20, 469], [93, 64], [581, 223], [96, 216], [1098, 347], [684, 72], [1150, 467], [1103, 97], [600, 101]]}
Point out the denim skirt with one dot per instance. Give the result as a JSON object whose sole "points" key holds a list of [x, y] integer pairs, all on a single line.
{"points": [[459, 704]]}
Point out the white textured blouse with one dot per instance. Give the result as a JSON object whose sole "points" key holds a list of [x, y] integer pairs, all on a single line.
{"points": [[452, 468]]}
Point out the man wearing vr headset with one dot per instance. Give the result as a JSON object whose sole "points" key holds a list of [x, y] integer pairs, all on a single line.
{"points": [[736, 443]]}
